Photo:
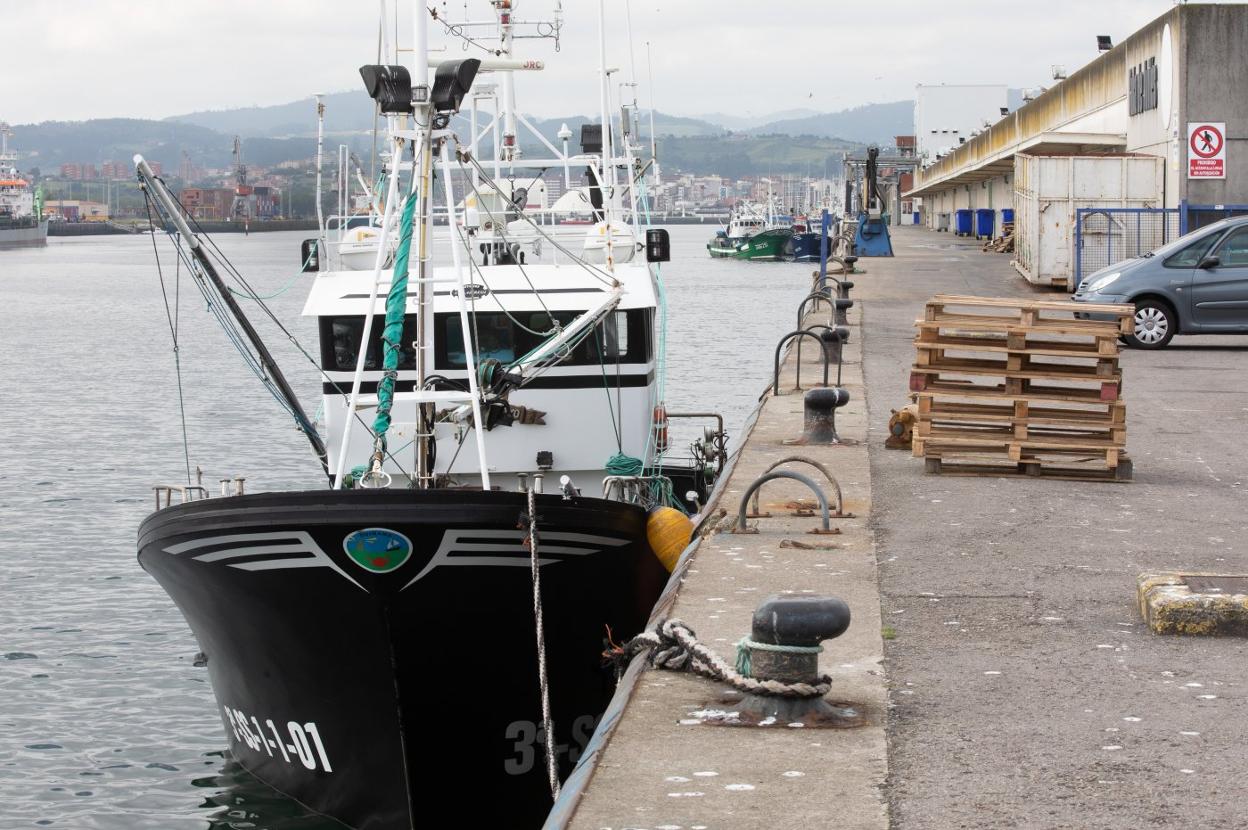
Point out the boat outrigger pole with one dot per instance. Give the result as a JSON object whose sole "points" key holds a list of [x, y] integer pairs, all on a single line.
{"points": [[170, 207]]}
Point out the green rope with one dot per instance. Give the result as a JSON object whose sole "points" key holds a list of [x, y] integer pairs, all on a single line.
{"points": [[624, 465], [745, 645], [392, 334]]}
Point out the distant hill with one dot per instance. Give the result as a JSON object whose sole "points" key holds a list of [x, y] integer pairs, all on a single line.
{"points": [[739, 155], [877, 123], [283, 132], [737, 121], [345, 112], [53, 143], [352, 112]]}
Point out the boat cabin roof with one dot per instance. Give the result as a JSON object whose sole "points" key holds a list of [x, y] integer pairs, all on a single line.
{"points": [[559, 287]]}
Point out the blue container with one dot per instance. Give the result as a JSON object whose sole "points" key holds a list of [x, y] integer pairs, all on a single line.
{"points": [[1007, 216], [984, 219], [962, 222], [916, 217]]}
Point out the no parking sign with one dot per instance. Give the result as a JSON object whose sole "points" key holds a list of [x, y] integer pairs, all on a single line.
{"points": [[1206, 150]]}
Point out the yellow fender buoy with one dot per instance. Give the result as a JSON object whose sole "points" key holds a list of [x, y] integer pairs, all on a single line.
{"points": [[669, 532]]}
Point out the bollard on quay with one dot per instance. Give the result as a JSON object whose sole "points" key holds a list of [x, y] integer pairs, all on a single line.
{"points": [[833, 339], [842, 304], [820, 414], [784, 646], [800, 622]]}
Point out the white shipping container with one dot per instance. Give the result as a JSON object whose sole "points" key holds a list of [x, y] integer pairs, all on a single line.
{"points": [[1049, 189]]}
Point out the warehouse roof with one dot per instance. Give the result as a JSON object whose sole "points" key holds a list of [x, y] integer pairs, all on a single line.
{"points": [[1002, 161]]}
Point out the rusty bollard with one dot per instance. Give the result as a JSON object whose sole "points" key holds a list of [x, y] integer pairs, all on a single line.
{"points": [[820, 414], [784, 646], [833, 339], [796, 623], [842, 304]]}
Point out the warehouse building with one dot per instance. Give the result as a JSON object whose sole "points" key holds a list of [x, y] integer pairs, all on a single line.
{"points": [[1157, 124]]}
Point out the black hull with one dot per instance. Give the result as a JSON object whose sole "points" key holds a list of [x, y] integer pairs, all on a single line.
{"points": [[380, 698]]}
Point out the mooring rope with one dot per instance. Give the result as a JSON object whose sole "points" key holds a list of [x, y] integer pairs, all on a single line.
{"points": [[675, 647], [548, 725]]}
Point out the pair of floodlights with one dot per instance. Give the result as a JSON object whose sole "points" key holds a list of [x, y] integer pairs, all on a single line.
{"points": [[391, 86]]}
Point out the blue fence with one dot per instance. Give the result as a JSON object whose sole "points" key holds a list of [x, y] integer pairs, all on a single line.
{"points": [[1196, 217], [1104, 236], [1107, 235]]}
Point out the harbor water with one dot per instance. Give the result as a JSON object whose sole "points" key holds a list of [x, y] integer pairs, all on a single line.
{"points": [[106, 722]]}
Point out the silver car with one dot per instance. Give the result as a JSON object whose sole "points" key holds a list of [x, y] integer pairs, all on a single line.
{"points": [[1197, 284]]}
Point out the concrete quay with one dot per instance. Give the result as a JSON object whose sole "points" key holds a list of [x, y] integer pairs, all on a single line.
{"points": [[1019, 686], [1026, 690], [665, 766]]}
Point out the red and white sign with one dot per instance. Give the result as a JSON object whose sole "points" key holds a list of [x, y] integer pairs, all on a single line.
{"points": [[1206, 150]]}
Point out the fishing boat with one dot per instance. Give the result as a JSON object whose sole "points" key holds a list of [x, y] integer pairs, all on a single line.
{"points": [[22, 224], [804, 244], [428, 628], [753, 232]]}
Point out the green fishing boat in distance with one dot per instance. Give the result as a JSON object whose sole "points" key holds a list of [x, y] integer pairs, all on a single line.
{"points": [[753, 232], [765, 245]]}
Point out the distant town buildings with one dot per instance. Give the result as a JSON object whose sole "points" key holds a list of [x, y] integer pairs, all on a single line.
{"points": [[216, 204], [82, 172], [76, 210]]}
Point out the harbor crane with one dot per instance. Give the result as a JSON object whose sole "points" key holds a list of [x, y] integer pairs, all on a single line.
{"points": [[243, 206]]}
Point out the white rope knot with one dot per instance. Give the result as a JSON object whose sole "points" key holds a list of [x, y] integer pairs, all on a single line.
{"points": [[675, 647]]}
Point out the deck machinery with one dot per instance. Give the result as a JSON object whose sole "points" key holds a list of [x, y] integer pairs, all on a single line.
{"points": [[871, 237]]}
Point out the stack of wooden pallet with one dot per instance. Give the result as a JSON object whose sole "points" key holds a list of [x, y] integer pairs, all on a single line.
{"points": [[1020, 387], [1003, 244]]}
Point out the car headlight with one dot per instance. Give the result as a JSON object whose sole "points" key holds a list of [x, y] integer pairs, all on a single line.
{"points": [[1101, 283]]}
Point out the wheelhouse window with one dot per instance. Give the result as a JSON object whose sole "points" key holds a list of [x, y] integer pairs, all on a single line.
{"points": [[340, 343], [620, 337]]}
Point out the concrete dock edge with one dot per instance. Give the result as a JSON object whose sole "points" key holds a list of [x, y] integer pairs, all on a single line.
{"points": [[656, 761]]}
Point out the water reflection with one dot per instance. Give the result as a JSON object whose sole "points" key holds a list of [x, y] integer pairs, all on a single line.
{"points": [[240, 801]]}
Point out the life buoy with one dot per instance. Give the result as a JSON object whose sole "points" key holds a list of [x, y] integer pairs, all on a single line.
{"points": [[660, 428]]}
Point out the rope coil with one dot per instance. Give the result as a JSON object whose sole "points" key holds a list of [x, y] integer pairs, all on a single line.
{"points": [[675, 647]]}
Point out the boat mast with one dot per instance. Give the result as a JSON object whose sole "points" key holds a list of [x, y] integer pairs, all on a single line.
{"points": [[606, 179], [424, 301], [320, 149], [505, 40], [157, 188]]}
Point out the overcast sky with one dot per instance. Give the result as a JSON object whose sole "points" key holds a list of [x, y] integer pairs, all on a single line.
{"points": [[77, 59]]}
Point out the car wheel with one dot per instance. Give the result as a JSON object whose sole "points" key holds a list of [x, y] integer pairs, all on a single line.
{"points": [[1155, 324]]}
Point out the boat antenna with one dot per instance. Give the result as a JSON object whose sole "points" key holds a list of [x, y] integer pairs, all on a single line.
{"points": [[320, 149], [607, 179], [164, 198], [654, 143]]}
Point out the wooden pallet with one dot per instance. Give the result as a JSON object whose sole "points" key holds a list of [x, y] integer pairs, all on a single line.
{"points": [[1024, 432], [1020, 415], [933, 381], [1025, 312], [1007, 438], [1012, 392], [1018, 365], [1015, 342], [969, 466], [1022, 387]]}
